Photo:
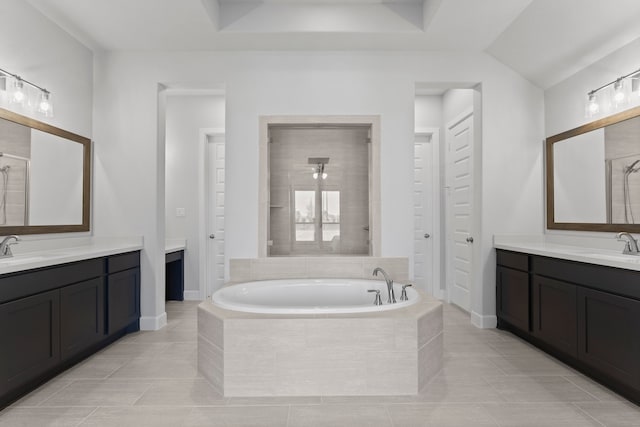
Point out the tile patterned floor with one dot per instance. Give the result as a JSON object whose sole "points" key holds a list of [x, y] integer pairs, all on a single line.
{"points": [[490, 378]]}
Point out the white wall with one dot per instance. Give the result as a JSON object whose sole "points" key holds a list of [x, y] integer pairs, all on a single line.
{"points": [[39, 51], [580, 178], [565, 102], [285, 83], [428, 112], [185, 117], [55, 184]]}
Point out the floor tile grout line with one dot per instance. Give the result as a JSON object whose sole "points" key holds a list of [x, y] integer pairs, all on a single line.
{"points": [[42, 404], [586, 391], [87, 417], [582, 411]]}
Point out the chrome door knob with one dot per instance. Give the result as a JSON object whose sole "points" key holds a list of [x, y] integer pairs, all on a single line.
{"points": [[427, 235], [212, 236], [470, 239]]}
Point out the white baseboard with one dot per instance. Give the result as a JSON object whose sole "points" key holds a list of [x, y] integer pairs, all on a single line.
{"points": [[151, 323], [483, 322], [192, 296]]}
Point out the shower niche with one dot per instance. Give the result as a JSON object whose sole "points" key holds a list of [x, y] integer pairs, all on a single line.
{"points": [[320, 188], [593, 176]]}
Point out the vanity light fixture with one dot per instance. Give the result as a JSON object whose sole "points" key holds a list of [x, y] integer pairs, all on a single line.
{"points": [[26, 94], [621, 91]]}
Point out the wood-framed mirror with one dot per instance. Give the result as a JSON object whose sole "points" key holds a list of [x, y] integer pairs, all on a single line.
{"points": [[45, 177], [593, 175]]}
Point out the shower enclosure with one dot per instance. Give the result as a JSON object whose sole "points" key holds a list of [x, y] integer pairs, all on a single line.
{"points": [[318, 190], [14, 189], [623, 189]]}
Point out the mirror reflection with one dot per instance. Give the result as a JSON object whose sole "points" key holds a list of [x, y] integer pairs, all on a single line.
{"points": [[44, 177], [595, 173]]}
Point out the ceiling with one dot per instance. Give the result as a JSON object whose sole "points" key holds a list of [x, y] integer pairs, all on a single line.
{"points": [[544, 40]]}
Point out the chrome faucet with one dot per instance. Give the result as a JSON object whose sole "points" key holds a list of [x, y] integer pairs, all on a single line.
{"points": [[5, 245], [631, 248], [392, 297]]}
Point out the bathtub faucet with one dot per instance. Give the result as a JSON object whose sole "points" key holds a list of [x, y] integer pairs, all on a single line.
{"points": [[392, 297]]}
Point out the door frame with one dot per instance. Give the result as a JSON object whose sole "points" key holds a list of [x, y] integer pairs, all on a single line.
{"points": [[436, 229], [203, 203]]}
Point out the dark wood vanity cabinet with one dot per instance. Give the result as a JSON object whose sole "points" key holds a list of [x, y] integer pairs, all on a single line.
{"points": [[554, 313], [513, 296], [52, 317], [123, 299], [609, 335], [585, 314]]}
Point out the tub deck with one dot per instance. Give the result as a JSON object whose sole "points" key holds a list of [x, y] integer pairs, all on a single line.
{"points": [[393, 352]]}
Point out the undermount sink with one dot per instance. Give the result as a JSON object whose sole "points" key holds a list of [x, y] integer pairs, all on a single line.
{"points": [[613, 257], [24, 259]]}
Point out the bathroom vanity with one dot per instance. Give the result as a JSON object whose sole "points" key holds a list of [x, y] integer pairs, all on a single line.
{"points": [[582, 307], [57, 310]]}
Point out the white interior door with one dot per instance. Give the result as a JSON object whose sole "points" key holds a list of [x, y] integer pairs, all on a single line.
{"points": [[215, 212], [460, 215], [423, 203]]}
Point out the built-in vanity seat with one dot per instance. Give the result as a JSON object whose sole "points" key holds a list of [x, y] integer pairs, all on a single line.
{"points": [[580, 305], [59, 306]]}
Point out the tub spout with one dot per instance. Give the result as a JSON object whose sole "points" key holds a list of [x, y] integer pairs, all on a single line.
{"points": [[392, 297]]}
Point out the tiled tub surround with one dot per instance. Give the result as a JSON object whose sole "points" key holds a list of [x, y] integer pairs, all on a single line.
{"points": [[395, 352], [348, 267]]}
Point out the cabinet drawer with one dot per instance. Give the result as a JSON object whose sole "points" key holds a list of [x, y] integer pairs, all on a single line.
{"points": [[515, 260], [122, 262], [21, 284]]}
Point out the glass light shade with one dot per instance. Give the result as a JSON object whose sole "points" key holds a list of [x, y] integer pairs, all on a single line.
{"points": [[324, 175], [315, 175], [45, 107], [18, 93], [620, 96], [593, 107]]}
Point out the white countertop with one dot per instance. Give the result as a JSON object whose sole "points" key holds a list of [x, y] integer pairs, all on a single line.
{"points": [[541, 245], [32, 254], [174, 245]]}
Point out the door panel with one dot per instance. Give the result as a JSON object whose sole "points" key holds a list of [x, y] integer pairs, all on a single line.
{"points": [[460, 140]]}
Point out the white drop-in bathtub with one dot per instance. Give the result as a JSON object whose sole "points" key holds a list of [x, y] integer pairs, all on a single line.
{"points": [[310, 296]]}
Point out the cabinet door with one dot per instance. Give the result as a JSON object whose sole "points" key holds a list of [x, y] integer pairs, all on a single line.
{"points": [[123, 299], [513, 297], [81, 316], [30, 339], [554, 314], [609, 335]]}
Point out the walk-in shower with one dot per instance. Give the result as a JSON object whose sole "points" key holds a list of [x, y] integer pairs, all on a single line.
{"points": [[14, 190]]}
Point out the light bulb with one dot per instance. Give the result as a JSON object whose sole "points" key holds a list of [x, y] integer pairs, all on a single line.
{"points": [[44, 106], [18, 96], [324, 175], [593, 107], [315, 175], [619, 95]]}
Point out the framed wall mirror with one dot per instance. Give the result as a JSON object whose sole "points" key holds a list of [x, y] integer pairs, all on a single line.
{"points": [[45, 177], [593, 175]]}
